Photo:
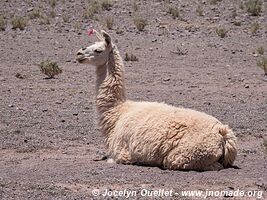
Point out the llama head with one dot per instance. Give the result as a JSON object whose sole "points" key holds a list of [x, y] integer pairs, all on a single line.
{"points": [[98, 53]]}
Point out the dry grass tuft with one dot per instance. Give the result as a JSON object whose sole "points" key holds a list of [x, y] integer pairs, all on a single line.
{"points": [[110, 23], [50, 68], [254, 27], [19, 22], [175, 13], [221, 32], [93, 8], [52, 3], [2, 23], [140, 23], [107, 4], [34, 14], [253, 7], [130, 57], [260, 50], [262, 63], [199, 10]]}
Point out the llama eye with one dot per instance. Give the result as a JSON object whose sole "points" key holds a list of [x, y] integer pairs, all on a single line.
{"points": [[98, 51]]}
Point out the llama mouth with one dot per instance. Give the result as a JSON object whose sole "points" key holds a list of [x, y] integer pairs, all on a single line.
{"points": [[80, 59]]}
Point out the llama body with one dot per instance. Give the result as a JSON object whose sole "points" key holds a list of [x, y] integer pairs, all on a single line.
{"points": [[151, 133]]}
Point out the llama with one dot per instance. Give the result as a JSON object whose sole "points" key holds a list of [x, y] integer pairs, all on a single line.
{"points": [[151, 133]]}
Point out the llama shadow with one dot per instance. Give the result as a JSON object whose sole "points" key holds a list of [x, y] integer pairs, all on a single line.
{"points": [[105, 157]]}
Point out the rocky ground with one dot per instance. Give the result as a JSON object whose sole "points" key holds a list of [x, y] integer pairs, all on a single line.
{"points": [[49, 144]]}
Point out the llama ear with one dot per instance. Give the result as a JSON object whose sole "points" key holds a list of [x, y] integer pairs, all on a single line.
{"points": [[106, 37], [98, 35]]}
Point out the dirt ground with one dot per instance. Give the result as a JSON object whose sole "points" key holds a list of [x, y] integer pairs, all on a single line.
{"points": [[49, 144]]}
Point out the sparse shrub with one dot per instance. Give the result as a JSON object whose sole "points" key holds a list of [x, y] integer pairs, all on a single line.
{"points": [[19, 22], [52, 3], [106, 4], [265, 144], [119, 31], [135, 6], [93, 8], [34, 14], [199, 10], [255, 27], [44, 20], [2, 23], [263, 64], [221, 32], [50, 68], [130, 57], [78, 26], [234, 14], [28, 1], [174, 12], [241, 5], [110, 22], [52, 13], [253, 7], [213, 2], [260, 50], [66, 18], [140, 23]]}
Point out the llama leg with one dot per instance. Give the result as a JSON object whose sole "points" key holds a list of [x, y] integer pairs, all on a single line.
{"points": [[124, 157], [120, 156]]}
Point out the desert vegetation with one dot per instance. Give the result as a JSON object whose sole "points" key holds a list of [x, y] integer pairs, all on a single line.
{"points": [[254, 27], [262, 63], [174, 12], [110, 22], [2, 23], [253, 7], [19, 22], [221, 32], [130, 57], [50, 68], [140, 23]]}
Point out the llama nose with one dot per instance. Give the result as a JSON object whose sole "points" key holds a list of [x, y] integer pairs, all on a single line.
{"points": [[79, 54]]}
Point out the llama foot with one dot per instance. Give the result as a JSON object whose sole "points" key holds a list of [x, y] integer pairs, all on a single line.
{"points": [[105, 157], [110, 160]]}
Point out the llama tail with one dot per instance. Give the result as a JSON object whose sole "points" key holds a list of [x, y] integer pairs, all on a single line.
{"points": [[229, 153]]}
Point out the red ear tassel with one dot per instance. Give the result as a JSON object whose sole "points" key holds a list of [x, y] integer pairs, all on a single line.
{"points": [[90, 31]]}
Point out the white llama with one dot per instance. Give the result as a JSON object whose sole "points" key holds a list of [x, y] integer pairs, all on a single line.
{"points": [[150, 133]]}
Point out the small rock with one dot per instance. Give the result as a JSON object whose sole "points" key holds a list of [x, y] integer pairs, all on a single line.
{"points": [[10, 105], [166, 79], [255, 55], [75, 114], [30, 9], [246, 86]]}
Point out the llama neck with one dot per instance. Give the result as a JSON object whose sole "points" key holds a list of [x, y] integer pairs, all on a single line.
{"points": [[110, 83]]}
